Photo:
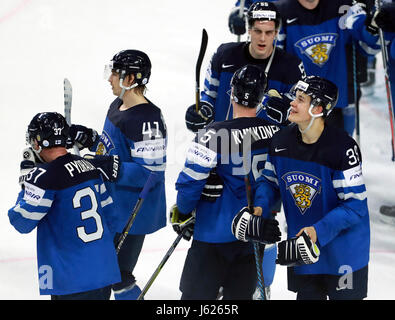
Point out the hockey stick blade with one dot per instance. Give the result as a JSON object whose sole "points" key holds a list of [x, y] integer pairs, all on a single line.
{"points": [[68, 96], [203, 47]]}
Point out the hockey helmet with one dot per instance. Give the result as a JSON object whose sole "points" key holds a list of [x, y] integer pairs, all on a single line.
{"points": [[133, 62], [262, 11], [322, 92], [49, 129], [248, 86]]}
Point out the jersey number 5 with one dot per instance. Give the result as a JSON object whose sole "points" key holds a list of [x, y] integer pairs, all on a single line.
{"points": [[91, 213]]}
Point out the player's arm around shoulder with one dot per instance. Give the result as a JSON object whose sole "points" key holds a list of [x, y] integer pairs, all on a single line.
{"points": [[34, 200]]}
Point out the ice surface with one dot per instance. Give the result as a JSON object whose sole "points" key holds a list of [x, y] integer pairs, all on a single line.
{"points": [[45, 41]]}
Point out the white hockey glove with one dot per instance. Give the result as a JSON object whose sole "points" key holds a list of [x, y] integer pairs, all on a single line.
{"points": [[297, 251], [354, 16], [248, 227], [182, 223], [29, 161]]}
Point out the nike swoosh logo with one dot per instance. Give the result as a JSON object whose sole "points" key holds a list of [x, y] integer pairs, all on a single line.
{"points": [[227, 65], [279, 150], [341, 288], [291, 20]]}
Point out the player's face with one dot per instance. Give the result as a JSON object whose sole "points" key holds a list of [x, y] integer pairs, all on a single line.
{"points": [[114, 81], [309, 4], [262, 35], [300, 108]]}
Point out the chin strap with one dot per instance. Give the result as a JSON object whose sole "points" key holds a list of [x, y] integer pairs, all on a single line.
{"points": [[123, 87], [313, 117], [37, 153]]}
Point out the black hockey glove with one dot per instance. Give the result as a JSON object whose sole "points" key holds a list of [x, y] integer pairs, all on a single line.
{"points": [[237, 24], [370, 23], [198, 120], [213, 188], [82, 136], [248, 227], [278, 106], [297, 251], [182, 223], [385, 18], [109, 166], [29, 162]]}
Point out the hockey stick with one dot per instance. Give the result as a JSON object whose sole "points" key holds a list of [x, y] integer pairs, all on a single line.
{"points": [[258, 248], [203, 47], [68, 97], [151, 181], [356, 96], [161, 265], [241, 13], [384, 55]]}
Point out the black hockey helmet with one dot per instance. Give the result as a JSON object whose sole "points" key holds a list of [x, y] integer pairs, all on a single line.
{"points": [[322, 92], [248, 86], [133, 62], [49, 129], [263, 10]]}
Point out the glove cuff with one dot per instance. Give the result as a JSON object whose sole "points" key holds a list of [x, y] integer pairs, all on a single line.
{"points": [[309, 252]]}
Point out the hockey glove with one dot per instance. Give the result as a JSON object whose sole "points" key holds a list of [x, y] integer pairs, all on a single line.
{"points": [[198, 120], [109, 166], [385, 18], [213, 188], [182, 223], [371, 25], [297, 251], [82, 136], [355, 17], [237, 24], [29, 162], [248, 227], [278, 106]]}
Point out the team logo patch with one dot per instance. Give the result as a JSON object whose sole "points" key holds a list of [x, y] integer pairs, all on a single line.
{"points": [[105, 144], [303, 188], [318, 47]]}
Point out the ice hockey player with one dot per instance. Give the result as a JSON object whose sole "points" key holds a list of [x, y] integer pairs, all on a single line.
{"points": [[283, 70], [64, 196], [318, 32], [135, 130], [216, 259], [317, 170]]}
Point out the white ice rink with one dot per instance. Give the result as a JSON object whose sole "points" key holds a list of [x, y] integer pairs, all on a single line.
{"points": [[44, 41]]}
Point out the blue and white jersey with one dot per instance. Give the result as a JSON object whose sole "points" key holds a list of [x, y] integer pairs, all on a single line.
{"points": [[219, 147], [321, 185], [68, 203], [319, 37], [248, 3], [138, 136], [284, 72]]}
